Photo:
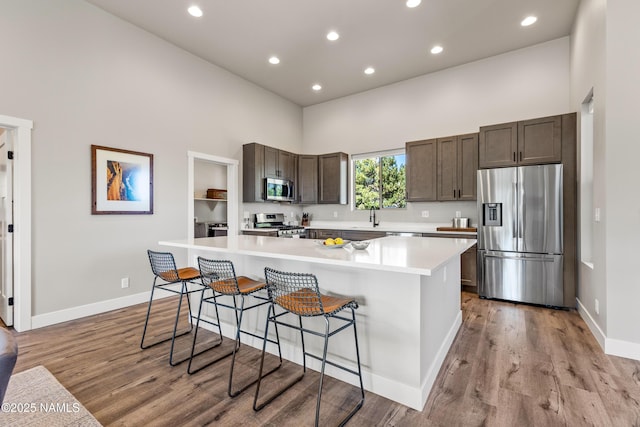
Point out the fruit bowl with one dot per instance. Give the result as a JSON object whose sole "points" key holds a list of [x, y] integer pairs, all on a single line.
{"points": [[335, 245], [360, 245]]}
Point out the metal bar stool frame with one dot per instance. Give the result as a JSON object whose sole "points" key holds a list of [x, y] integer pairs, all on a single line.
{"points": [[299, 294], [220, 278], [163, 266]]}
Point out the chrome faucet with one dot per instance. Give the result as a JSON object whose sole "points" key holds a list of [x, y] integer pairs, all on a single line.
{"points": [[372, 217]]}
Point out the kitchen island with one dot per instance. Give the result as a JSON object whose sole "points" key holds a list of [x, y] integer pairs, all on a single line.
{"points": [[408, 289]]}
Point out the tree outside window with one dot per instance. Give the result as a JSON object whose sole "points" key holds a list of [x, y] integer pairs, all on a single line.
{"points": [[380, 182]]}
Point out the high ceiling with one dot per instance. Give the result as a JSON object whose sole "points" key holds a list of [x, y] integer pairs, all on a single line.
{"points": [[241, 35]]}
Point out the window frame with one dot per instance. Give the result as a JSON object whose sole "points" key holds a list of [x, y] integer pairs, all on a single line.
{"points": [[361, 156]]}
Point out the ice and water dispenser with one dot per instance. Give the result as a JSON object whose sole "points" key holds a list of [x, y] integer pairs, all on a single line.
{"points": [[492, 214]]}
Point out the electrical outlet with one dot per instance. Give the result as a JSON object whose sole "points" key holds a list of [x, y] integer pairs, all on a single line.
{"points": [[335, 214], [597, 304], [124, 282], [596, 215], [425, 214], [458, 214]]}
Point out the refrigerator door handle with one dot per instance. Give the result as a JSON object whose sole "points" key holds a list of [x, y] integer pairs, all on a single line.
{"points": [[523, 211], [518, 257], [514, 226]]}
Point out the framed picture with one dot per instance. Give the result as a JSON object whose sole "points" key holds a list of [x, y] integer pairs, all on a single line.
{"points": [[121, 181]]}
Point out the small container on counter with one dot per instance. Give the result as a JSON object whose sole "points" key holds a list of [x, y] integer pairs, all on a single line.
{"points": [[461, 222]]}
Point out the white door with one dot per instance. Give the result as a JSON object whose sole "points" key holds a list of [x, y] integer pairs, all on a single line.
{"points": [[6, 218]]}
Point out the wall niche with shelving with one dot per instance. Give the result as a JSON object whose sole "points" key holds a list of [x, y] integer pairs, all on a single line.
{"points": [[209, 175]]}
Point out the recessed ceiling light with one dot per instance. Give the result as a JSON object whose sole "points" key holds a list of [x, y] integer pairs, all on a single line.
{"points": [[274, 60], [369, 70], [195, 11], [436, 50], [316, 87], [333, 36], [413, 3], [529, 20]]}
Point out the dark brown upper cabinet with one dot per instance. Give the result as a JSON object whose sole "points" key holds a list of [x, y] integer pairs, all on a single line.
{"points": [[279, 164], [307, 178], [457, 167], [528, 142], [333, 178], [253, 163], [421, 170]]}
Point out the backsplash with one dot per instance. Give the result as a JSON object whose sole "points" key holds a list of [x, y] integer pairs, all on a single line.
{"points": [[439, 212]]}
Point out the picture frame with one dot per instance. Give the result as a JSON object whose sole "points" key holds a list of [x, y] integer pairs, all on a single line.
{"points": [[121, 181]]}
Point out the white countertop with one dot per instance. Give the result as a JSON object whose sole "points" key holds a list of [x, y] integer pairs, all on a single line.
{"points": [[408, 227], [416, 255]]}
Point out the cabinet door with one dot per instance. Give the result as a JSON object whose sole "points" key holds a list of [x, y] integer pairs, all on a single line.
{"points": [[467, 166], [333, 183], [468, 267], [421, 170], [447, 168], [271, 158], [252, 172], [498, 145], [325, 234], [286, 165], [307, 179], [362, 235], [540, 141]]}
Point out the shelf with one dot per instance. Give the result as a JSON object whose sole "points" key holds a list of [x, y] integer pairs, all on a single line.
{"points": [[209, 200]]}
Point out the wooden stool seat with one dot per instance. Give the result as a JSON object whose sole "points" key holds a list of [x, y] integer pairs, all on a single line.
{"points": [[297, 302], [186, 273], [241, 285]]}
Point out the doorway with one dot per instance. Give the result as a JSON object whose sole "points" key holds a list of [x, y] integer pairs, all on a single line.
{"points": [[18, 134], [232, 189], [6, 221]]}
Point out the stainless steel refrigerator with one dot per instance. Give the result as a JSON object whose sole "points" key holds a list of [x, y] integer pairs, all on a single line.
{"points": [[520, 251]]}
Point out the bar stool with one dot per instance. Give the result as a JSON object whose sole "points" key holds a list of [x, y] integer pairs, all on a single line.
{"points": [[298, 294], [219, 277], [164, 268]]}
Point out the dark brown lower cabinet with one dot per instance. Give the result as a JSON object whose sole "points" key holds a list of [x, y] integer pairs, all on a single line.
{"points": [[324, 234], [468, 269], [260, 233]]}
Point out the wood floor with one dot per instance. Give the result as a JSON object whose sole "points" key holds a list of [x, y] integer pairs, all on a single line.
{"points": [[510, 365]]}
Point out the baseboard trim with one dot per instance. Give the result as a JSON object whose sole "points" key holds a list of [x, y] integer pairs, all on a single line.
{"points": [[592, 325], [610, 346], [54, 317], [435, 367], [630, 350], [413, 397]]}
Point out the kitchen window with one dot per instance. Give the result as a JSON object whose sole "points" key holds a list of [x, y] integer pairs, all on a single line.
{"points": [[379, 180]]}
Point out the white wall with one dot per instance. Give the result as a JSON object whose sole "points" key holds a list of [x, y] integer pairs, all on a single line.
{"points": [[588, 64], [604, 56], [85, 77], [621, 170], [527, 83]]}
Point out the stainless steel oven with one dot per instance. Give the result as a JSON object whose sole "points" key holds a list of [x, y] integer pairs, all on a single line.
{"points": [[275, 221]]}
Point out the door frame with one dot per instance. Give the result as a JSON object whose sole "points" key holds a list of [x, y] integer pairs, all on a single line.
{"points": [[232, 190], [21, 220]]}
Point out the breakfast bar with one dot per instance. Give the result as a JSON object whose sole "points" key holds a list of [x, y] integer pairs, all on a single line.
{"points": [[408, 290]]}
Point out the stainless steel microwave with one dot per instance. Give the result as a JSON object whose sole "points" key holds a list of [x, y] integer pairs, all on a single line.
{"points": [[279, 190]]}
